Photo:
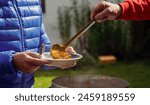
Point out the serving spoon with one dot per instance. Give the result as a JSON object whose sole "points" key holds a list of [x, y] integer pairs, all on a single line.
{"points": [[61, 48]]}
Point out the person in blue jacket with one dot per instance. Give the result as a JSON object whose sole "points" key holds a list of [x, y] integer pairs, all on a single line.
{"points": [[21, 35]]}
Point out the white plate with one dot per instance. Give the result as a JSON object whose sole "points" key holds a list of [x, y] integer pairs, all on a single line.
{"points": [[61, 63]]}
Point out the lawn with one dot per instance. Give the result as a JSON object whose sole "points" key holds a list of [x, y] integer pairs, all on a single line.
{"points": [[136, 73]]}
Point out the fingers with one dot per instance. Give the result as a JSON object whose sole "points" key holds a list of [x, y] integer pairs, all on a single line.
{"points": [[98, 8], [70, 50], [38, 62], [110, 13], [105, 11], [32, 65], [35, 59], [34, 55], [28, 61], [102, 16], [28, 68]]}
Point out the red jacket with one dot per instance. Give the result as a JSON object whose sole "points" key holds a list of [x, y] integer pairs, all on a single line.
{"points": [[135, 10]]}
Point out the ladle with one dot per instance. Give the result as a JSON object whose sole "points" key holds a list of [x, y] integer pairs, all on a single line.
{"points": [[61, 48]]}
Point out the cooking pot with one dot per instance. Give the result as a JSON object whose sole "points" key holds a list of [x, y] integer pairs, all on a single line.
{"points": [[89, 81]]}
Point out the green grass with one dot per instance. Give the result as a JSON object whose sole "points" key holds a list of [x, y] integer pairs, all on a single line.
{"points": [[136, 73]]}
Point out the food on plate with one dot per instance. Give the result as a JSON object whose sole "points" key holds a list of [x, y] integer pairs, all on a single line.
{"points": [[60, 54]]}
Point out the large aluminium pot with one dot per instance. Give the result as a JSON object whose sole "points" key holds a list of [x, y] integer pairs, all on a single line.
{"points": [[88, 81]]}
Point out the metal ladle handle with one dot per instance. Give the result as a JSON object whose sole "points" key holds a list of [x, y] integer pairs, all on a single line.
{"points": [[81, 32]]}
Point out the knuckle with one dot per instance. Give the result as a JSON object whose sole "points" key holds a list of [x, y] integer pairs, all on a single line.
{"points": [[109, 10]]}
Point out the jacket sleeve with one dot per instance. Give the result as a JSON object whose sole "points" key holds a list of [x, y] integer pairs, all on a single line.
{"points": [[6, 65], [135, 10], [44, 39]]}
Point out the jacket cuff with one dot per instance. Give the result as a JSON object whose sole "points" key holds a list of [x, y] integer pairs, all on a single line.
{"points": [[7, 64], [124, 7]]}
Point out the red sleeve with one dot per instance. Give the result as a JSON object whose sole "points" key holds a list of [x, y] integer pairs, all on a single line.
{"points": [[135, 10]]}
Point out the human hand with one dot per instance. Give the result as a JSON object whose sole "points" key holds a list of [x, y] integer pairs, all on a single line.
{"points": [[28, 62], [70, 50], [105, 11]]}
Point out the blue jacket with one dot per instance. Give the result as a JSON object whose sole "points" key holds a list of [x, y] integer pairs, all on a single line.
{"points": [[21, 30]]}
